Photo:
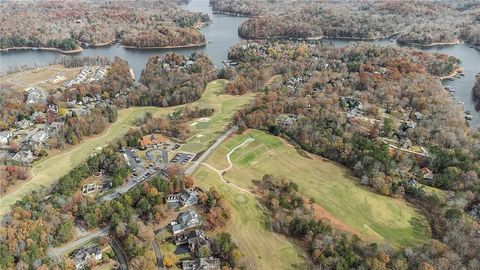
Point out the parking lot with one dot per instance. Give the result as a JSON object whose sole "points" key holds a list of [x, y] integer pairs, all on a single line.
{"points": [[181, 158], [140, 170]]}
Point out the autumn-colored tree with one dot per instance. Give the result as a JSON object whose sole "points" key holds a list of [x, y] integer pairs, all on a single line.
{"points": [[169, 260]]}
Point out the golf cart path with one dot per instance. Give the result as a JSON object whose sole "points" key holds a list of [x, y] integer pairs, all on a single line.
{"points": [[220, 174]]}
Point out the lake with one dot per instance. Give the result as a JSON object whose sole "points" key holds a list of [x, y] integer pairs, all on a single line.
{"points": [[222, 33]]}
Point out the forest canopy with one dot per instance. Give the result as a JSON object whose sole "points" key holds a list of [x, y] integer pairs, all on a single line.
{"points": [[68, 24], [419, 22]]}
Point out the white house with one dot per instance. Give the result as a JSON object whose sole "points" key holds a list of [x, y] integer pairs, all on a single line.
{"points": [[5, 137]]}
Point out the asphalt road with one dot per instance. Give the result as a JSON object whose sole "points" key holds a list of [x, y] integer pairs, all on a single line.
{"points": [[121, 257], [58, 252], [158, 254], [210, 150]]}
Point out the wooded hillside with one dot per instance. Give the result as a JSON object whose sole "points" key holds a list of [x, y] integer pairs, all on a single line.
{"points": [[68, 24]]}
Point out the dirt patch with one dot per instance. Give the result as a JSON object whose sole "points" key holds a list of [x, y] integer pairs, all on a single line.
{"points": [[327, 217]]}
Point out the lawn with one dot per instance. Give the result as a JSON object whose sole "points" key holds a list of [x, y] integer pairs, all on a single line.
{"points": [[206, 130], [375, 217], [46, 172], [249, 227]]}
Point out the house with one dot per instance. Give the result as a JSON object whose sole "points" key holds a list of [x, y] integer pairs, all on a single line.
{"points": [[39, 137], [412, 182], [82, 256], [38, 117], [186, 220], [418, 115], [195, 243], [5, 155], [202, 263], [427, 173], [406, 143], [5, 137], [35, 95], [71, 103], [24, 124], [23, 156], [187, 197], [56, 127], [183, 238]]}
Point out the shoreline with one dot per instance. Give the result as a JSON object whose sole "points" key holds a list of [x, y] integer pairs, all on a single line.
{"points": [[233, 14], [314, 38], [167, 47], [451, 75], [78, 50], [457, 42], [105, 44]]}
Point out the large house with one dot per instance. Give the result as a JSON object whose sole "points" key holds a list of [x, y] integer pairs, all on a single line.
{"points": [[202, 263], [24, 156], [24, 124], [83, 255], [35, 95], [38, 138], [187, 197], [5, 137], [186, 220]]}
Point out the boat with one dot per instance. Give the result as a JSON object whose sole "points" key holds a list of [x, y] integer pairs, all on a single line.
{"points": [[468, 117], [461, 103]]}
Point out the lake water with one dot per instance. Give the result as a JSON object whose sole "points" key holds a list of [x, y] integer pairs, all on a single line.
{"points": [[222, 34]]}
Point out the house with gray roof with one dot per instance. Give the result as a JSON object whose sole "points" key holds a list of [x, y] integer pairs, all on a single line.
{"points": [[82, 256], [201, 263], [24, 156], [39, 137], [24, 124], [186, 220], [5, 137], [185, 198], [35, 96]]}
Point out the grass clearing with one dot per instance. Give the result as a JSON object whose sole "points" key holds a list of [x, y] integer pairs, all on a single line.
{"points": [[249, 227], [47, 171], [375, 217], [41, 77]]}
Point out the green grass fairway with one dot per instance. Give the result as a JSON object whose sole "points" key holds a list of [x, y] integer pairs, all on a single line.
{"points": [[374, 216], [47, 171], [204, 131], [249, 227]]}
